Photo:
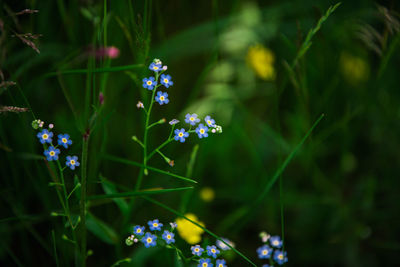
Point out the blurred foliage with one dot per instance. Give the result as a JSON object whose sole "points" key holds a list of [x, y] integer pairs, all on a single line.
{"points": [[339, 194]]}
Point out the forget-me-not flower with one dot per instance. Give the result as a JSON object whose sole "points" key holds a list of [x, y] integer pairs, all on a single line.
{"points": [[280, 257], [191, 119], [202, 130], [212, 251], [197, 250], [138, 230], [210, 121], [168, 237], [162, 98], [72, 162], [220, 263], [264, 252], [180, 135], [149, 240], [45, 136], [165, 80], [155, 67], [63, 140], [149, 83], [155, 225], [275, 241], [205, 263], [52, 153]]}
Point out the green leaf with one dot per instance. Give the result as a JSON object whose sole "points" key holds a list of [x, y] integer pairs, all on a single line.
{"points": [[134, 163], [110, 189], [139, 193], [101, 230]]}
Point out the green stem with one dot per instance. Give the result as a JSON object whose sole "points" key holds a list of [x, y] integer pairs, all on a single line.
{"points": [[146, 129], [85, 145]]}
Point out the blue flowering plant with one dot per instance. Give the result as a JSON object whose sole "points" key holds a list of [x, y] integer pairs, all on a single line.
{"points": [[158, 83], [159, 235], [52, 153], [272, 250]]}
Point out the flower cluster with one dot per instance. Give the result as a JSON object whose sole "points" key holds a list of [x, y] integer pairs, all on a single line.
{"points": [[207, 256], [151, 83], [272, 247], [52, 152], [201, 130], [150, 239], [157, 235]]}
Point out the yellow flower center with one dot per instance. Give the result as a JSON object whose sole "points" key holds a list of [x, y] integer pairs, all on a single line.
{"points": [[213, 250], [264, 252], [162, 98], [180, 134], [202, 131], [276, 242], [155, 68], [139, 230], [72, 162], [45, 136], [209, 122], [197, 249], [155, 224], [149, 240], [64, 140], [52, 153], [205, 264], [166, 80], [149, 82], [280, 257], [168, 237], [191, 118]]}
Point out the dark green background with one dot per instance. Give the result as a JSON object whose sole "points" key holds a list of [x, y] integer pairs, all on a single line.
{"points": [[341, 191]]}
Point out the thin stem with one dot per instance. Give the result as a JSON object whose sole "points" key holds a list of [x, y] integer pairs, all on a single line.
{"points": [[146, 132], [85, 145], [158, 148]]}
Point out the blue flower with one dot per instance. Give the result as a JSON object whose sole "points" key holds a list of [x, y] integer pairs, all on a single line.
{"points": [[275, 241], [266, 265], [155, 225], [52, 153], [138, 230], [191, 119], [197, 250], [149, 240], [280, 257], [166, 80], [264, 252], [210, 121], [205, 263], [220, 263], [168, 237], [202, 131], [180, 135], [162, 98], [72, 162], [212, 251], [45, 136], [149, 83], [63, 140], [155, 67]]}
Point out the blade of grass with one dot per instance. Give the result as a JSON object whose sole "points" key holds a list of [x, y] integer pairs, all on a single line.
{"points": [[134, 163], [307, 42], [177, 213], [139, 193], [55, 247]]}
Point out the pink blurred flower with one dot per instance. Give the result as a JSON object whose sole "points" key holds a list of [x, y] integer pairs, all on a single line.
{"points": [[108, 52]]}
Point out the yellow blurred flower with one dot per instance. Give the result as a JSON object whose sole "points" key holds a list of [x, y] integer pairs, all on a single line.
{"points": [[354, 69], [261, 60], [207, 194], [188, 231]]}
